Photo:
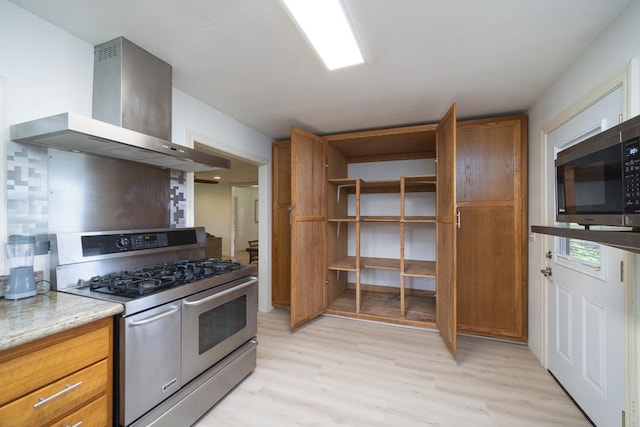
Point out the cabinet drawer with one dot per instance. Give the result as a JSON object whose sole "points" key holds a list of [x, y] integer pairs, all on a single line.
{"points": [[58, 398], [93, 414], [34, 365]]}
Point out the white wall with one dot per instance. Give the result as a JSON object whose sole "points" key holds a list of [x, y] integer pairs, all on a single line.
{"points": [[213, 210], [607, 56], [46, 71], [247, 227], [218, 130]]}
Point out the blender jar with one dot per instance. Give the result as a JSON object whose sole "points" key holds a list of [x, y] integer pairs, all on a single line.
{"points": [[20, 252]]}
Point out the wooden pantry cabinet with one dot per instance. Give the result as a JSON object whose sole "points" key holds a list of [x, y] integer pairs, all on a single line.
{"points": [[364, 246], [61, 380], [476, 240], [491, 195]]}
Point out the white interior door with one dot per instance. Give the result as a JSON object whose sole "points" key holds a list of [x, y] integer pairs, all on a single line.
{"points": [[585, 306]]}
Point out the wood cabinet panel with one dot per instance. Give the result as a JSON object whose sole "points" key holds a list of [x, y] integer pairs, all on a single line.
{"points": [[307, 287], [37, 364], [281, 229], [308, 226], [281, 253], [93, 414], [70, 392], [492, 246], [485, 162], [446, 286], [62, 374], [489, 301]]}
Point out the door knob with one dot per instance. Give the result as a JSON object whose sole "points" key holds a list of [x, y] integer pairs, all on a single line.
{"points": [[546, 272]]}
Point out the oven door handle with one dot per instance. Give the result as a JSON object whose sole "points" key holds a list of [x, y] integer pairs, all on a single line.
{"points": [[158, 316], [220, 294]]}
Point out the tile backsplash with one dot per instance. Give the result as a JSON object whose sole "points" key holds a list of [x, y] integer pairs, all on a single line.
{"points": [[28, 193], [27, 189]]}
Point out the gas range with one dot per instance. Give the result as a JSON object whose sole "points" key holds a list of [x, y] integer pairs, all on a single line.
{"points": [[140, 268], [146, 280], [144, 288], [197, 316]]}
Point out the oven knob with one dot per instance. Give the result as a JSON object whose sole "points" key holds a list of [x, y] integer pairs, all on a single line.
{"points": [[122, 243]]}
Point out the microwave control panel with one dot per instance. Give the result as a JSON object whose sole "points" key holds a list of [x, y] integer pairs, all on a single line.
{"points": [[631, 172]]}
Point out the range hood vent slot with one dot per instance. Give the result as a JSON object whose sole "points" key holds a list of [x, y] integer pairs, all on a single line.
{"points": [[107, 52]]}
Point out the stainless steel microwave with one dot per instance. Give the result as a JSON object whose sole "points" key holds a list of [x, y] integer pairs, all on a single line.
{"points": [[598, 179]]}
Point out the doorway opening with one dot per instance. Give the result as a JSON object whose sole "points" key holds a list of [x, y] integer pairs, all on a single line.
{"points": [[226, 205]]}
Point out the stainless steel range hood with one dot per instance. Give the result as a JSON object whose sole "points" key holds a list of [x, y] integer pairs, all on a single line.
{"points": [[76, 133], [131, 115]]}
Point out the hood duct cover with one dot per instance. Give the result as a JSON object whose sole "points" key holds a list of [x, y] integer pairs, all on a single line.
{"points": [[132, 115]]}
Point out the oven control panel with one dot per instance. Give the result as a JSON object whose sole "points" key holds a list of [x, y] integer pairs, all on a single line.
{"points": [[101, 244], [148, 241]]}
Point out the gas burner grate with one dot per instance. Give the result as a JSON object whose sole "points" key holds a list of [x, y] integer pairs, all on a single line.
{"points": [[151, 279]]}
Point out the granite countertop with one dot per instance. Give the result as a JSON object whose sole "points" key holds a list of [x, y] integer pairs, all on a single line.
{"points": [[29, 319]]}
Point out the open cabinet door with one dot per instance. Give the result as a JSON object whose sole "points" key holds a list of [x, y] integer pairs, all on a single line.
{"points": [[308, 226], [446, 312]]}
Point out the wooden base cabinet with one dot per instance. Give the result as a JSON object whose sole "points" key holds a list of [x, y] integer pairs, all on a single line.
{"points": [[64, 379], [491, 197]]}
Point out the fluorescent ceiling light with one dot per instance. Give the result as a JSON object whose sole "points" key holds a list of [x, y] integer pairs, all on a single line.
{"points": [[327, 27]]}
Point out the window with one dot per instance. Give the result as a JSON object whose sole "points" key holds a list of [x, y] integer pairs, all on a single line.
{"points": [[580, 255]]}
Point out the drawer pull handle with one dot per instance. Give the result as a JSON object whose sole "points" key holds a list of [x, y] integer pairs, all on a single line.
{"points": [[67, 388], [78, 424]]}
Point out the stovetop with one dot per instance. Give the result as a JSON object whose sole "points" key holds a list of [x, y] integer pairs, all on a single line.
{"points": [[140, 269], [139, 290], [146, 280]]}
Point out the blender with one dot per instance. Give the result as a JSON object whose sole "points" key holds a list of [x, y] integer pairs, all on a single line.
{"points": [[20, 251]]}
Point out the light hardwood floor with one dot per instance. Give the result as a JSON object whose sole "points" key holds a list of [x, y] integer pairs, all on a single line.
{"points": [[342, 372]]}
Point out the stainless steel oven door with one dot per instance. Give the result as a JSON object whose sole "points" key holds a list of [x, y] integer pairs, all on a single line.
{"points": [[216, 322], [149, 359]]}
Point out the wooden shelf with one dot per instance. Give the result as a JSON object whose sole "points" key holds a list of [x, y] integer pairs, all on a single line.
{"points": [[380, 218], [416, 268], [425, 179], [344, 181], [380, 186], [625, 240], [419, 219], [410, 142], [413, 184], [408, 219], [344, 264], [346, 219], [419, 183], [380, 263]]}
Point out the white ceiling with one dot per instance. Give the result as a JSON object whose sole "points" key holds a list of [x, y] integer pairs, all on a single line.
{"points": [[247, 59]]}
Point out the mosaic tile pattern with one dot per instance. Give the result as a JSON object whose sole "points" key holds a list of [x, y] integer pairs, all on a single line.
{"points": [[178, 199], [27, 189]]}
